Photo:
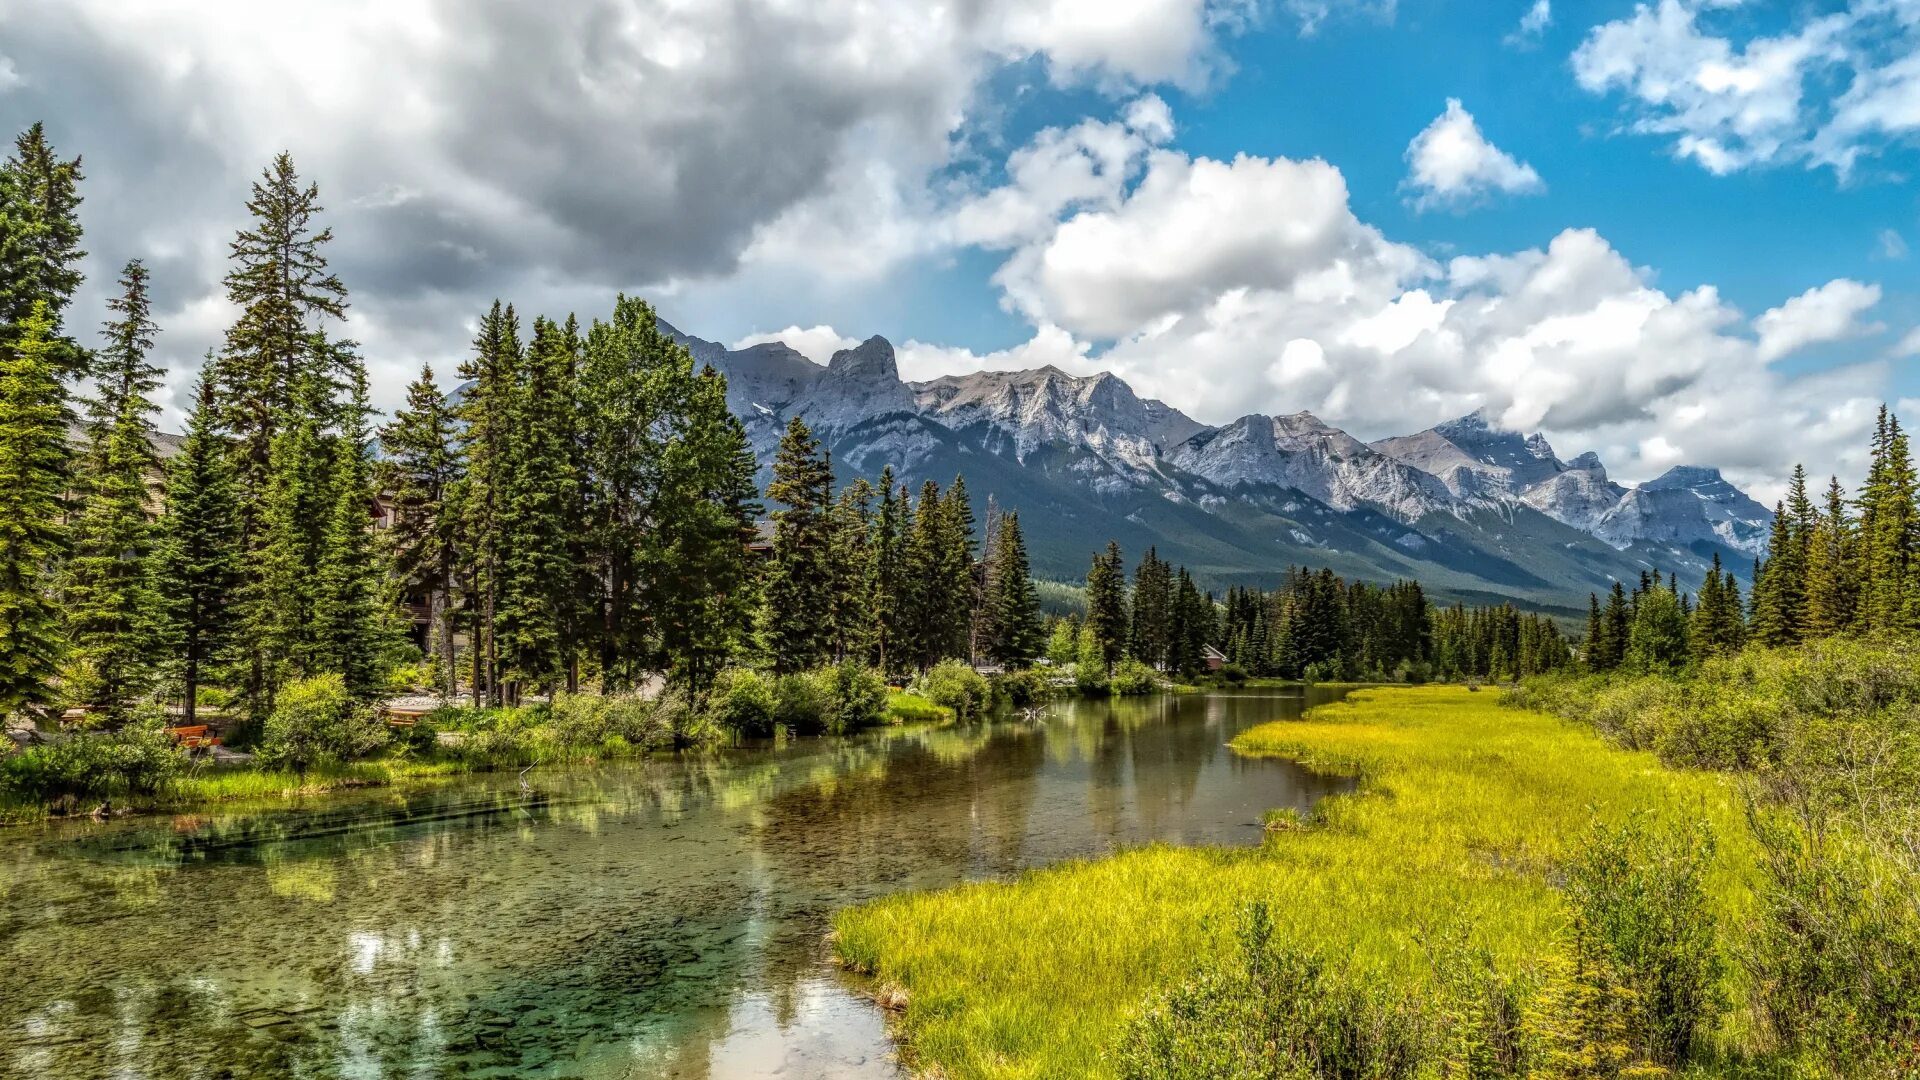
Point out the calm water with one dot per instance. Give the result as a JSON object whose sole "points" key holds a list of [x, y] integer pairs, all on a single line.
{"points": [[660, 919]]}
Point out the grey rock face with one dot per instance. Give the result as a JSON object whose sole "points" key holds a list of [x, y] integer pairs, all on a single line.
{"points": [[1688, 503]]}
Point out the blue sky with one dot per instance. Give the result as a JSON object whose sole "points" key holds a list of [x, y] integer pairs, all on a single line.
{"points": [[1673, 232]]}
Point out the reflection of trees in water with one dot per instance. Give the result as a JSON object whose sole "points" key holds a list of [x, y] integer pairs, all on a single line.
{"points": [[610, 913]]}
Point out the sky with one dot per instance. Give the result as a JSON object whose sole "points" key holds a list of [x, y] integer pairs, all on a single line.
{"points": [[1680, 231]]}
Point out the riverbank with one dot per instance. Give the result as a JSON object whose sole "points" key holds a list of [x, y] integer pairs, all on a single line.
{"points": [[1450, 848]]}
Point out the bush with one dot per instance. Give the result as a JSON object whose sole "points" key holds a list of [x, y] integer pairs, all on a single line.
{"points": [[954, 685], [140, 760], [1231, 674], [1131, 678], [315, 722], [1273, 1013], [857, 697], [801, 703], [1642, 893], [742, 701], [1028, 686]]}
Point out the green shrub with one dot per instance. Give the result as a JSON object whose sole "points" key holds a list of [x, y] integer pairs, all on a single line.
{"points": [[213, 697], [1063, 647], [802, 702], [140, 760], [857, 697], [1231, 674], [1275, 1013], [954, 685], [910, 708], [742, 701], [1090, 664], [1131, 678], [315, 722], [1028, 686], [1642, 893]]}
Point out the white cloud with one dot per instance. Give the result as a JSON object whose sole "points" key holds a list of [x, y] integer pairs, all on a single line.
{"points": [[1229, 287], [1731, 105], [1891, 245], [1532, 24], [1452, 163], [816, 343], [1829, 312], [1049, 346], [1311, 14], [9, 74], [1908, 345]]}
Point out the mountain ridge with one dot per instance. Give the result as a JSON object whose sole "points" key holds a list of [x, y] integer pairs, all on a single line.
{"points": [[1466, 505]]}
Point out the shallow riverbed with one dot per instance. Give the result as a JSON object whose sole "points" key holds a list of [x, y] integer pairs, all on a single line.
{"points": [[655, 919]]}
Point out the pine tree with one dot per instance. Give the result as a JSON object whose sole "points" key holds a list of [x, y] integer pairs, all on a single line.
{"points": [[706, 610], [420, 472], [890, 528], [1832, 590], [276, 381], [1148, 629], [353, 627], [195, 563], [1779, 593], [797, 620], [534, 616], [923, 599], [1015, 605], [1657, 639], [1595, 628], [1107, 603], [958, 592], [1889, 527], [40, 252], [108, 602], [33, 473], [856, 573], [486, 412]]}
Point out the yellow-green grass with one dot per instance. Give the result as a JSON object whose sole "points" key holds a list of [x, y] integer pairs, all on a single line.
{"points": [[1463, 810], [907, 707]]}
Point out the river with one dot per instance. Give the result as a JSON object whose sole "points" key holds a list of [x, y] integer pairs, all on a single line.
{"points": [[659, 918]]}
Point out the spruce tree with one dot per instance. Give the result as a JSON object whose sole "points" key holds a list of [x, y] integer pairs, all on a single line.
{"points": [[40, 252], [485, 412], [534, 616], [353, 628], [33, 475], [108, 603], [797, 619], [420, 471], [1831, 586], [1595, 628], [1016, 632], [956, 595], [276, 382], [707, 602], [924, 594], [1152, 602], [1779, 594], [1107, 603], [856, 573], [196, 568], [890, 529]]}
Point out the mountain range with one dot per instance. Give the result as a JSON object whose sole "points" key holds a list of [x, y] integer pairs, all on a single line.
{"points": [[1472, 511]]}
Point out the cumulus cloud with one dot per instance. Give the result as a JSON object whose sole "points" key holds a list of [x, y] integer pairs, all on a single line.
{"points": [[1228, 287], [816, 343], [554, 155], [1452, 163], [1730, 105], [1908, 345], [1830, 312]]}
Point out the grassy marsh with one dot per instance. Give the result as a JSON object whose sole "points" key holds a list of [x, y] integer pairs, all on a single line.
{"points": [[1465, 809]]}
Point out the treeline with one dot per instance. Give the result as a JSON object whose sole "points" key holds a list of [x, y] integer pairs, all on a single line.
{"points": [[581, 511]]}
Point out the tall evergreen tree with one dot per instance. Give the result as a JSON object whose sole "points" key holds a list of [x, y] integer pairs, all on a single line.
{"points": [[276, 381], [797, 620], [1148, 623], [486, 412], [856, 573], [108, 602], [196, 570], [1832, 586], [33, 475], [420, 471], [957, 593], [40, 251], [890, 529], [1779, 595], [707, 604], [535, 617], [354, 624], [925, 597], [1015, 634], [1107, 603]]}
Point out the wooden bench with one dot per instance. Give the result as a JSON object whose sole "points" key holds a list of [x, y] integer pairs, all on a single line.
{"points": [[194, 737], [405, 717]]}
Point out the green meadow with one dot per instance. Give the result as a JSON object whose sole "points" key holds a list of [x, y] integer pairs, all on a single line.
{"points": [[1448, 857]]}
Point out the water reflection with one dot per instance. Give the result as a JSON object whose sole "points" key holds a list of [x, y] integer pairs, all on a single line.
{"points": [[656, 919]]}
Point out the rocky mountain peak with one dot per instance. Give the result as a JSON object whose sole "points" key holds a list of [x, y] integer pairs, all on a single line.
{"points": [[871, 359], [1697, 478]]}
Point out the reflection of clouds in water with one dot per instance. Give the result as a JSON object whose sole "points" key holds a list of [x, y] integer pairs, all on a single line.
{"points": [[660, 917]]}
